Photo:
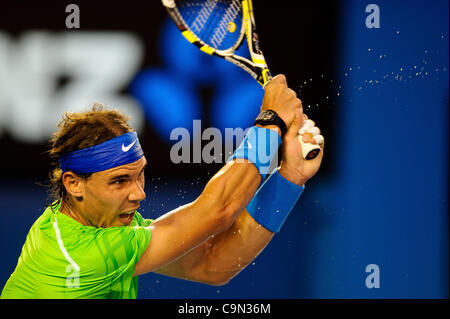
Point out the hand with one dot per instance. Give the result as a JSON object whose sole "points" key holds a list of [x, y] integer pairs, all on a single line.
{"points": [[293, 166], [281, 99]]}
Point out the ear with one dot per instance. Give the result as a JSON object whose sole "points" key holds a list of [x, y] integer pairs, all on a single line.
{"points": [[73, 184]]}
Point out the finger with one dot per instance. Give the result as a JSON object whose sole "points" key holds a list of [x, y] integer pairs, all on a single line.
{"points": [[296, 124], [308, 138], [279, 79], [314, 131], [319, 139], [307, 125], [292, 93], [299, 105]]}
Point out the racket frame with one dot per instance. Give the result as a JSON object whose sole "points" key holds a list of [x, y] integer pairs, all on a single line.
{"points": [[257, 68]]}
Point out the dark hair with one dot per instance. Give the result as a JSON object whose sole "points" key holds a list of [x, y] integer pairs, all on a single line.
{"points": [[81, 130]]}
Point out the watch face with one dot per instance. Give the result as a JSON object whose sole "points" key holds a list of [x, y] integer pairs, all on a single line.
{"points": [[271, 117], [267, 115]]}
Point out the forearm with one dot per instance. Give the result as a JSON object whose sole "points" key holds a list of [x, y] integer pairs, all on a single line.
{"points": [[229, 191], [235, 248]]}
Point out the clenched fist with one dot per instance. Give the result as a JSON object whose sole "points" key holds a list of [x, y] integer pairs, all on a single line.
{"points": [[281, 99]]}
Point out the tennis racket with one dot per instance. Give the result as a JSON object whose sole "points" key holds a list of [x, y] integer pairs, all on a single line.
{"points": [[219, 27]]}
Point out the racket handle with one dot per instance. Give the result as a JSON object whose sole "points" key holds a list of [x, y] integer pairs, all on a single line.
{"points": [[310, 151]]}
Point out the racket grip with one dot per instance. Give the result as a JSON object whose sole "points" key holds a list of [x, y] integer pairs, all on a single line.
{"points": [[310, 151]]}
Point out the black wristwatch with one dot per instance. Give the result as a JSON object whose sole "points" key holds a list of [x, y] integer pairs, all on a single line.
{"points": [[269, 117]]}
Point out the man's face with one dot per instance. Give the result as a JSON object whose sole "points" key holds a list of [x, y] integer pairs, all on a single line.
{"points": [[110, 197]]}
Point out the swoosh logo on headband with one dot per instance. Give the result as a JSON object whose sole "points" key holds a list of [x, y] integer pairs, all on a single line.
{"points": [[127, 148]]}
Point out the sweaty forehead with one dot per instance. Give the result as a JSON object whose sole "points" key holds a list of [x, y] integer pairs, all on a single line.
{"points": [[127, 168]]}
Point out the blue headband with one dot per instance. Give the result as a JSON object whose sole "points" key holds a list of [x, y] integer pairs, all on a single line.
{"points": [[121, 150]]}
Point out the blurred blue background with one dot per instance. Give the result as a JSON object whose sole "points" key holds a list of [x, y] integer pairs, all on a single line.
{"points": [[380, 96]]}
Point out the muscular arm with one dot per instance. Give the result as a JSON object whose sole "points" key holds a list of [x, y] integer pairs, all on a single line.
{"points": [[224, 255]]}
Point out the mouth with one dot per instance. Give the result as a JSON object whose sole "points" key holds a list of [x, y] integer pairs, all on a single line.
{"points": [[126, 218]]}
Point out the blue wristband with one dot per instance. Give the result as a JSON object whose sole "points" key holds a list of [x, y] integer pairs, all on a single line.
{"points": [[260, 146], [273, 201]]}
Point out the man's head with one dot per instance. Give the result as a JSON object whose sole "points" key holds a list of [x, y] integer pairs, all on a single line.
{"points": [[100, 172]]}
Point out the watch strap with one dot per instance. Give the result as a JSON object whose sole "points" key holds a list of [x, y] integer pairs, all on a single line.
{"points": [[270, 117]]}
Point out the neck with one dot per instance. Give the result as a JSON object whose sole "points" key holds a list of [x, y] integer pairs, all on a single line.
{"points": [[72, 210]]}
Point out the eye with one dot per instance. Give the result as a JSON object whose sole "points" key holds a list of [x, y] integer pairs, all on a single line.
{"points": [[119, 181]]}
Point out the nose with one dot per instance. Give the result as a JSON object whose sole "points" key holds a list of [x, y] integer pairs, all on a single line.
{"points": [[137, 193]]}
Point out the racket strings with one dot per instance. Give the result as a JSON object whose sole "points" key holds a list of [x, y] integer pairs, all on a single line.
{"points": [[216, 22], [203, 15], [231, 13]]}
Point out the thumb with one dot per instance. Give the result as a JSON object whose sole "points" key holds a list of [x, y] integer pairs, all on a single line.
{"points": [[296, 124], [279, 79]]}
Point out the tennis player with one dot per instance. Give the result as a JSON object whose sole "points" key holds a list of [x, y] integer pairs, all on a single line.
{"points": [[92, 243]]}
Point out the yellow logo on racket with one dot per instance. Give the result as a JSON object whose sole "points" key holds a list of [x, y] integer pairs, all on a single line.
{"points": [[231, 27]]}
